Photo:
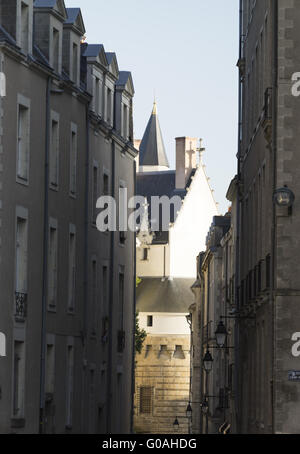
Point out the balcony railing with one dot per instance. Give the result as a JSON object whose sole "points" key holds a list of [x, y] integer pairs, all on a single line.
{"points": [[20, 306]]}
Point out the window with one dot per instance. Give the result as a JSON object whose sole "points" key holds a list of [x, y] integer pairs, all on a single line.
{"points": [[94, 296], [75, 63], [125, 122], [23, 142], [72, 269], [21, 256], [121, 298], [146, 400], [145, 254], [268, 271], [105, 184], [109, 106], [121, 333], [95, 193], [50, 370], [98, 96], [52, 266], [122, 213], [55, 49], [54, 151], [69, 393], [24, 27], [18, 379], [104, 286], [73, 159], [149, 320]]}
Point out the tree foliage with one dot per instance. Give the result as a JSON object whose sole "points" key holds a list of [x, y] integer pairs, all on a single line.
{"points": [[140, 334]]}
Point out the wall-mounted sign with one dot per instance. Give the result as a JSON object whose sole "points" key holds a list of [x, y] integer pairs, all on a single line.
{"points": [[2, 344], [294, 375]]}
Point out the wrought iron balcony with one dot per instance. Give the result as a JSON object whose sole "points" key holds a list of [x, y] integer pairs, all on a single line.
{"points": [[20, 306]]}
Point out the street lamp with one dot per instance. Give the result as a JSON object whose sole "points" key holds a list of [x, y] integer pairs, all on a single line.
{"points": [[176, 424], [284, 197], [208, 362], [221, 335], [189, 319], [189, 411]]}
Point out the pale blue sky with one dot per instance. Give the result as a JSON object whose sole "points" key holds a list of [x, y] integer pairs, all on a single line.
{"points": [[185, 51]]}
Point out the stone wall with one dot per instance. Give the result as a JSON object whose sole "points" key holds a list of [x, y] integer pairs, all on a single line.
{"points": [[169, 378]]}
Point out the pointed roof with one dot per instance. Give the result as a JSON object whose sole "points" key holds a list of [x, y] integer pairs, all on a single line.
{"points": [[113, 64], [75, 20], [125, 82], [58, 6], [152, 149]]}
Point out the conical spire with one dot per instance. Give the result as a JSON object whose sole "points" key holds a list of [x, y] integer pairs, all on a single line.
{"points": [[152, 149]]}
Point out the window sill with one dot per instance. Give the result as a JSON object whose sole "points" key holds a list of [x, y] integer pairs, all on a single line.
{"points": [[22, 181], [53, 187], [52, 308]]}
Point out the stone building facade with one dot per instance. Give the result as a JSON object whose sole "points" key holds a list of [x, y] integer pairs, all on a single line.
{"points": [[213, 394], [268, 265], [67, 290]]}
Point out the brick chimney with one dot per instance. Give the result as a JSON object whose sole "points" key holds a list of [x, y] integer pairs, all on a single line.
{"points": [[186, 159]]}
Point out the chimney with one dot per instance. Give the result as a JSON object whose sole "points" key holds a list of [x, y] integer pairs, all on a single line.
{"points": [[186, 159]]}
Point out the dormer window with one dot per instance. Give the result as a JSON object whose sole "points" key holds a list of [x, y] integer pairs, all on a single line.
{"points": [[55, 49], [98, 96], [125, 122], [109, 106], [24, 27], [75, 62]]}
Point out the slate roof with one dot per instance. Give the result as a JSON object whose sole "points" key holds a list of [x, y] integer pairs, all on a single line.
{"points": [[72, 15], [92, 50], [110, 56], [152, 148], [123, 77], [160, 183], [5, 36], [155, 295], [44, 3]]}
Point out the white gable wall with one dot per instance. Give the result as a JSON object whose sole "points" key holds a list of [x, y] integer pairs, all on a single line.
{"points": [[165, 323], [188, 235]]}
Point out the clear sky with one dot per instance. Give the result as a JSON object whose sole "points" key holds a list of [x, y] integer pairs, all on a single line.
{"points": [[186, 52]]}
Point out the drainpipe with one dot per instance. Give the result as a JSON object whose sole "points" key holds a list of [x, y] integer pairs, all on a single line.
{"points": [[134, 313], [111, 294], [45, 261], [275, 13], [207, 323], [237, 374], [86, 262]]}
